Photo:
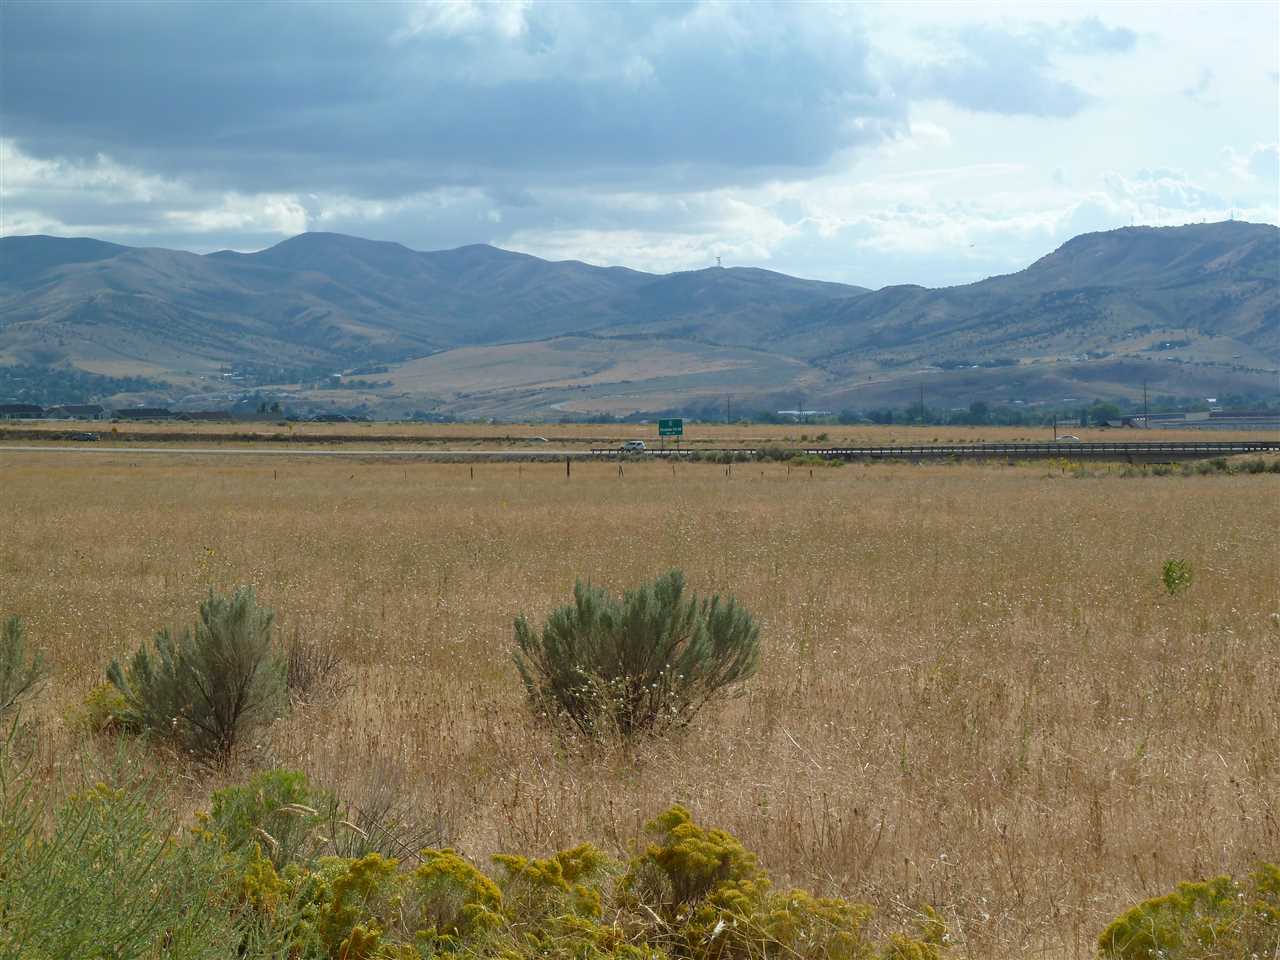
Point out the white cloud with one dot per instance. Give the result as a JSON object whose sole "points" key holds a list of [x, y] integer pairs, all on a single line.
{"points": [[1260, 163], [281, 214], [20, 173], [453, 18], [1162, 189]]}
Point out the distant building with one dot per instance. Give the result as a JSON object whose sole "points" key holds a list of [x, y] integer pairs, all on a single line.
{"points": [[78, 411], [21, 411], [144, 413]]}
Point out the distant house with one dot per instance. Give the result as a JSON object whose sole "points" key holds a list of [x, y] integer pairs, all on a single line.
{"points": [[20, 411], [144, 413], [78, 411]]}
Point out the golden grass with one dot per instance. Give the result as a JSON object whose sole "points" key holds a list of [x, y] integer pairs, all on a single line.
{"points": [[974, 693]]}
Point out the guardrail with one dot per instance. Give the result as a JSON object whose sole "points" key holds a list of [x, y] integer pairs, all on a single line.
{"points": [[1071, 450]]}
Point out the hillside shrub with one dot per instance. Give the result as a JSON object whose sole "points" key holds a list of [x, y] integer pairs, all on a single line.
{"points": [[1260, 465], [22, 670], [645, 663], [1217, 919], [206, 687]]}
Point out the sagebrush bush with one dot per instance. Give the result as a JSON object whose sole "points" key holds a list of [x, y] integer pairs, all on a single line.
{"points": [[1217, 919], [22, 671], [208, 686], [645, 663]]}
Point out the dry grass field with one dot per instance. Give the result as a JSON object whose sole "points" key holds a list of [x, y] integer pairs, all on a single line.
{"points": [[975, 692]]}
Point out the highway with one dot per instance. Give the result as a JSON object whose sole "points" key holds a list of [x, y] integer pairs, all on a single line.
{"points": [[1156, 451], [266, 451]]}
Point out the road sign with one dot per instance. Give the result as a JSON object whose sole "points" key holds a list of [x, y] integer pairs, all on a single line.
{"points": [[671, 428]]}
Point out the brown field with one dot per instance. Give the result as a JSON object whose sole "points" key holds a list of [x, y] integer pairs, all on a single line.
{"points": [[975, 692]]}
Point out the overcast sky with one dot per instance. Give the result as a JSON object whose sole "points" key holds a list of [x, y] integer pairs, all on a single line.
{"points": [[873, 144]]}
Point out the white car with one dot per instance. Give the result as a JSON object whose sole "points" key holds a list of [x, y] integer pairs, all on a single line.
{"points": [[1068, 439], [632, 446]]}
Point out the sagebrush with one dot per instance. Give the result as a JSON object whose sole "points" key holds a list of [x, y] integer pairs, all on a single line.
{"points": [[22, 670], [645, 663], [207, 686]]}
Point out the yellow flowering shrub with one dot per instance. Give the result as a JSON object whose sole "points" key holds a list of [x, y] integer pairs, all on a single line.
{"points": [[717, 904], [101, 712], [686, 863], [454, 899], [564, 883], [1217, 919], [694, 893]]}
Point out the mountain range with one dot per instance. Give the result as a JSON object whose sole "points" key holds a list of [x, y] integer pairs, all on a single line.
{"points": [[484, 331]]}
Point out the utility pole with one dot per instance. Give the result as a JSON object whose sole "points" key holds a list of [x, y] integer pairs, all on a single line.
{"points": [[922, 403], [728, 410], [1146, 410]]}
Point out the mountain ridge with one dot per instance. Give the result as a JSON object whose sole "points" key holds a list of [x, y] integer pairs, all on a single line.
{"points": [[324, 301]]}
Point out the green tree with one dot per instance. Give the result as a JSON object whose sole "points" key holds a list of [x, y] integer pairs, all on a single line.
{"points": [[1101, 412]]}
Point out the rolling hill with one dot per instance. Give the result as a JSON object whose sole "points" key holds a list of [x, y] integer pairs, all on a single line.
{"points": [[1098, 293], [484, 330]]}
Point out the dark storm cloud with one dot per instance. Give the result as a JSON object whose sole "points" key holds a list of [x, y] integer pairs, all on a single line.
{"points": [[380, 100]]}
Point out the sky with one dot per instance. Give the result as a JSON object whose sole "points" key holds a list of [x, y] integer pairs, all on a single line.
{"points": [[875, 144]]}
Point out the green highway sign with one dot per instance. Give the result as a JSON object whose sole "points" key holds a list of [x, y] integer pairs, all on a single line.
{"points": [[671, 428]]}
